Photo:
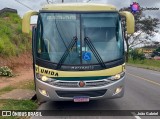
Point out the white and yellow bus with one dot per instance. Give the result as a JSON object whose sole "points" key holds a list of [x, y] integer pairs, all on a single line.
{"points": [[78, 51]]}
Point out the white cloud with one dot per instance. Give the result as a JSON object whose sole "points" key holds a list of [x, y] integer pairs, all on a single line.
{"points": [[157, 37]]}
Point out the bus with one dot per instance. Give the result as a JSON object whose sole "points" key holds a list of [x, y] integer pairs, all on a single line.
{"points": [[78, 51]]}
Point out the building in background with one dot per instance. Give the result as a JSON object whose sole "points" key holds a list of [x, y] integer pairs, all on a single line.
{"points": [[150, 50]]}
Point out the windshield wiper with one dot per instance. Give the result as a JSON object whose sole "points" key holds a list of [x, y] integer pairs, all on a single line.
{"points": [[64, 56], [95, 52]]}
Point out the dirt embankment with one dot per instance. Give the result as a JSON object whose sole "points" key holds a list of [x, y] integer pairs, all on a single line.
{"points": [[17, 64], [21, 66]]}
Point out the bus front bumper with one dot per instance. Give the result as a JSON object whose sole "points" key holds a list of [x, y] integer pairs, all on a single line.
{"points": [[47, 92]]}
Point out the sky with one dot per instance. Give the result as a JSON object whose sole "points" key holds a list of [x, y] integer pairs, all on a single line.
{"points": [[37, 4]]}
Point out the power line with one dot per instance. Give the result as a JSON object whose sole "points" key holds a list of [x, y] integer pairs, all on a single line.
{"points": [[23, 4], [49, 1], [89, 0]]}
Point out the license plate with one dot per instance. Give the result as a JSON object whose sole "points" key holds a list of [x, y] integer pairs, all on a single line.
{"points": [[81, 99]]}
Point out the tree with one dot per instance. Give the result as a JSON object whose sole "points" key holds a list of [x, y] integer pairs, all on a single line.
{"points": [[145, 29], [158, 49]]}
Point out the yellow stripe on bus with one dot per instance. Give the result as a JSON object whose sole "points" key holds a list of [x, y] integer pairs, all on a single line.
{"points": [[57, 73]]}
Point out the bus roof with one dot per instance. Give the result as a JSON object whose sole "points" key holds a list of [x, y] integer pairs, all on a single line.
{"points": [[79, 7]]}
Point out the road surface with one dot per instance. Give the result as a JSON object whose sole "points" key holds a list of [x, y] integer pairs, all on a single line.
{"points": [[142, 92]]}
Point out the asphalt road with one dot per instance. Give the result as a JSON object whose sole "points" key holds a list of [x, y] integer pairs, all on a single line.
{"points": [[142, 92]]}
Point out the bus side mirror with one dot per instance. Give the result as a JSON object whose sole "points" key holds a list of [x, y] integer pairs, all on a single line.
{"points": [[26, 21], [130, 22]]}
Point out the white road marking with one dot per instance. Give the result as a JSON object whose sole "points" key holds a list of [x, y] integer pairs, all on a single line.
{"points": [[148, 80], [135, 115]]}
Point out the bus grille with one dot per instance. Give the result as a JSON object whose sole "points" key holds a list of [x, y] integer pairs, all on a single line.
{"points": [[72, 94], [65, 84], [75, 84]]}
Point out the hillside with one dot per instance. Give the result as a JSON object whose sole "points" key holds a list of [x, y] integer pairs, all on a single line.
{"points": [[15, 47], [12, 41]]}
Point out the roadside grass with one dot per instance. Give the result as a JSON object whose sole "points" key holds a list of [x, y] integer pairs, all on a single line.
{"points": [[25, 85], [146, 63], [17, 105], [20, 85], [6, 89]]}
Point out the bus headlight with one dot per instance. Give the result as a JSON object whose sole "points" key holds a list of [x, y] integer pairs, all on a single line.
{"points": [[117, 76], [44, 92], [43, 78], [117, 90]]}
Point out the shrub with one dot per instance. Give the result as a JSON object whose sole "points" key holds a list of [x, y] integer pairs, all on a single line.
{"points": [[135, 55], [5, 71]]}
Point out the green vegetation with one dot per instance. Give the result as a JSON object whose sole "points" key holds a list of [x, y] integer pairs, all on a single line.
{"points": [[12, 41], [146, 63], [156, 52], [5, 71], [136, 55], [21, 85], [6, 89], [26, 85], [17, 105], [158, 49], [137, 59]]}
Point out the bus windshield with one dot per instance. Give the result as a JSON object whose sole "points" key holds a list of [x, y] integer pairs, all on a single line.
{"points": [[56, 32]]}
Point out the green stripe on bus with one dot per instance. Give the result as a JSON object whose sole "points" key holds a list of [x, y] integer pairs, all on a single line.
{"points": [[81, 78]]}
